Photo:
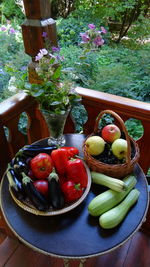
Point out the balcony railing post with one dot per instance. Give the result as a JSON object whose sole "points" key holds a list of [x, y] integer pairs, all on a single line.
{"points": [[38, 20]]}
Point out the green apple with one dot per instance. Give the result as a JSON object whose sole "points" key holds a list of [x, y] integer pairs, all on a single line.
{"points": [[119, 148], [95, 145]]}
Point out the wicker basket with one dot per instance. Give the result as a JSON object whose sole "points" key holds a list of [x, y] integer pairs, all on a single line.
{"points": [[116, 170]]}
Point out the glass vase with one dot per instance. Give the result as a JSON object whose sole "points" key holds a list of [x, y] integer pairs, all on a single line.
{"points": [[55, 123]]}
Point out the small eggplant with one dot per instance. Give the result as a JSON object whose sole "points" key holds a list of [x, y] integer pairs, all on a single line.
{"points": [[33, 150], [15, 184], [37, 199], [20, 165], [55, 194]]}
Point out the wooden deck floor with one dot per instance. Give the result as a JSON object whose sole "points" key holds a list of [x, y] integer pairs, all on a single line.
{"points": [[134, 253]]}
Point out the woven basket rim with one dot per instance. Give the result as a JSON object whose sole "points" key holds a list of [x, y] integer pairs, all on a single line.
{"points": [[135, 158]]}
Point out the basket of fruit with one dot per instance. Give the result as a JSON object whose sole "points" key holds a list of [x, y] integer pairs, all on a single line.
{"points": [[110, 150], [48, 181]]}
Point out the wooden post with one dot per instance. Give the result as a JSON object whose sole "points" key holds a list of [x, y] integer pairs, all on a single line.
{"points": [[38, 20]]}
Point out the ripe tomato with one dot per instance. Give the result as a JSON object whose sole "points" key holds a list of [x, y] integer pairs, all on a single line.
{"points": [[41, 165], [41, 186]]}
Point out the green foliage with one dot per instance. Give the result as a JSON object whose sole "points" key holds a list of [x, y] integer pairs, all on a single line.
{"points": [[135, 128], [69, 29], [10, 55], [10, 10], [140, 31], [117, 70], [126, 12], [79, 116], [121, 69]]}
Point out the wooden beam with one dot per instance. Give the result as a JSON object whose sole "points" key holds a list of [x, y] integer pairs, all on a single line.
{"points": [[38, 21]]}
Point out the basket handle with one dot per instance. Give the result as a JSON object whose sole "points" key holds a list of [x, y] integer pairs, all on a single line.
{"points": [[121, 122]]}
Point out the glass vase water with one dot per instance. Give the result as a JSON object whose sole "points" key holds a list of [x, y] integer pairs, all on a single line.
{"points": [[55, 123]]}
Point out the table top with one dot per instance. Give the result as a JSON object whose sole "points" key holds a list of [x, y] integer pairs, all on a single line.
{"points": [[75, 234]]}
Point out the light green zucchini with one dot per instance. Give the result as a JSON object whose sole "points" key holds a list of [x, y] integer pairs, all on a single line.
{"points": [[112, 183], [110, 198], [115, 216]]}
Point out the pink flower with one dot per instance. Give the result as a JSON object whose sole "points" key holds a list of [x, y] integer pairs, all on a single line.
{"points": [[3, 28], [91, 26], [98, 41], [103, 30], [12, 31], [85, 37]]}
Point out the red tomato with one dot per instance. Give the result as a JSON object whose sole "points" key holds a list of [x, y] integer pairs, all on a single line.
{"points": [[41, 165], [41, 186]]}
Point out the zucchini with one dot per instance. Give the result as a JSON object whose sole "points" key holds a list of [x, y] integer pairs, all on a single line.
{"points": [[110, 198], [36, 198], [113, 183], [115, 216]]}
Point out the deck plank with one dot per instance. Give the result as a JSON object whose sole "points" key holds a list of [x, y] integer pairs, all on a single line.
{"points": [[2, 236], [139, 253], [7, 249]]}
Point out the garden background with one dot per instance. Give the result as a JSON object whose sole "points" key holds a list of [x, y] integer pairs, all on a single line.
{"points": [[121, 66]]}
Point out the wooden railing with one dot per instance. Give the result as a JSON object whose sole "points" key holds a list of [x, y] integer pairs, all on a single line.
{"points": [[94, 102]]}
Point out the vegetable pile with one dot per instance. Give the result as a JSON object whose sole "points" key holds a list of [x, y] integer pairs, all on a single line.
{"points": [[48, 177]]}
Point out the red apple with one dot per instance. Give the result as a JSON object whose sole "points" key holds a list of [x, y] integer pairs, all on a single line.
{"points": [[110, 133]]}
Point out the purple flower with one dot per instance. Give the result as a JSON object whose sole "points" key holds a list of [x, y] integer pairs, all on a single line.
{"points": [[55, 49], [23, 68], [3, 28], [59, 58], [12, 31], [38, 57], [98, 41], [44, 34], [103, 30], [43, 51], [91, 26], [41, 54], [85, 37]]}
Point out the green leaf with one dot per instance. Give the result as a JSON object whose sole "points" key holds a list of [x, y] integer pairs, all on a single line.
{"points": [[56, 74], [39, 93]]}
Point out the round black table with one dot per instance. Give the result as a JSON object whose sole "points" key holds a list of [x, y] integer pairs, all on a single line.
{"points": [[75, 234]]}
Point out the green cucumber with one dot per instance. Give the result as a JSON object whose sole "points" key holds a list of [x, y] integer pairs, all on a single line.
{"points": [[115, 216], [110, 182], [110, 198]]}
